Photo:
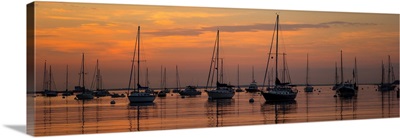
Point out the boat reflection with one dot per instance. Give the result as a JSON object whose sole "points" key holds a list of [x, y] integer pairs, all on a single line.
{"points": [[138, 111], [216, 109], [279, 109], [347, 108]]}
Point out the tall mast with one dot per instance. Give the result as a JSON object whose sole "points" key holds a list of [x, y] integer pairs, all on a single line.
{"points": [[50, 77], [133, 61], [147, 77], [165, 78], [284, 68], [83, 71], [238, 75], [252, 73], [383, 73], [66, 82], [138, 61], [355, 72], [307, 71], [100, 81], [45, 77], [217, 57], [336, 75], [276, 52], [161, 76], [222, 70], [341, 66], [97, 75], [177, 77], [389, 70]]}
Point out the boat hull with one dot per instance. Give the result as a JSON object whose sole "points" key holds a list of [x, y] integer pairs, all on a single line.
{"points": [[50, 93], [270, 96], [141, 98], [239, 90], [385, 87], [189, 93], [308, 89], [84, 96], [252, 90], [162, 94], [220, 94], [101, 93], [346, 92]]}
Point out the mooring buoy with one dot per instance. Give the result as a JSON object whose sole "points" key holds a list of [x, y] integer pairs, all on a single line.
{"points": [[251, 100]]}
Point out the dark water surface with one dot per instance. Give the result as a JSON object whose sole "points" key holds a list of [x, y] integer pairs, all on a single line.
{"points": [[58, 116]]}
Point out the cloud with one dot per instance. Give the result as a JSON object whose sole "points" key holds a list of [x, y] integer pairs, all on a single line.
{"points": [[252, 28], [346, 23], [172, 32]]}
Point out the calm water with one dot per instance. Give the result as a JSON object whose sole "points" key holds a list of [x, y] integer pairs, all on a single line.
{"points": [[55, 115]]}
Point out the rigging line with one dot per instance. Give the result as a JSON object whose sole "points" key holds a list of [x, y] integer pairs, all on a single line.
{"points": [[269, 56], [133, 61], [211, 65], [94, 77]]}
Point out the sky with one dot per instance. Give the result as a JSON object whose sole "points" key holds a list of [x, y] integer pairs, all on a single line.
{"points": [[184, 37]]}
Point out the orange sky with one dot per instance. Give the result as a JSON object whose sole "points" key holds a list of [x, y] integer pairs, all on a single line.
{"points": [[185, 36]]}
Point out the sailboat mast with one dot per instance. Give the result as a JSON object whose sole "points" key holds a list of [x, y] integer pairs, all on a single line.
{"points": [[276, 52], [307, 71], [217, 57], [222, 70], [341, 66], [383, 74], [50, 77], [252, 73], [336, 75], [66, 81], [284, 68], [238, 75], [389, 70], [177, 77], [45, 77], [161, 77], [83, 72], [355, 72], [147, 77], [165, 78], [97, 75], [138, 61]]}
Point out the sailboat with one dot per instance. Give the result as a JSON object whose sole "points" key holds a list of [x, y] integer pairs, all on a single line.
{"points": [[238, 86], [98, 82], [388, 85], [85, 93], [48, 84], [308, 87], [139, 94], [281, 90], [348, 88], [253, 85], [222, 91], [164, 89], [336, 85], [66, 92], [177, 90]]}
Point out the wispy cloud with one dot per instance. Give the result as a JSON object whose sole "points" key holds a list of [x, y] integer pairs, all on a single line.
{"points": [[253, 28], [346, 23]]}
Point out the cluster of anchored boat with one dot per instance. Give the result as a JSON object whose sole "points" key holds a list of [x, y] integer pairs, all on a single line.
{"points": [[215, 88]]}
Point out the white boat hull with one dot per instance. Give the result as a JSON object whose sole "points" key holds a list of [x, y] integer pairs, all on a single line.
{"points": [[141, 98]]}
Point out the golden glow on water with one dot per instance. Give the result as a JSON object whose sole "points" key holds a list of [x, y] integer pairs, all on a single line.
{"points": [[56, 116]]}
